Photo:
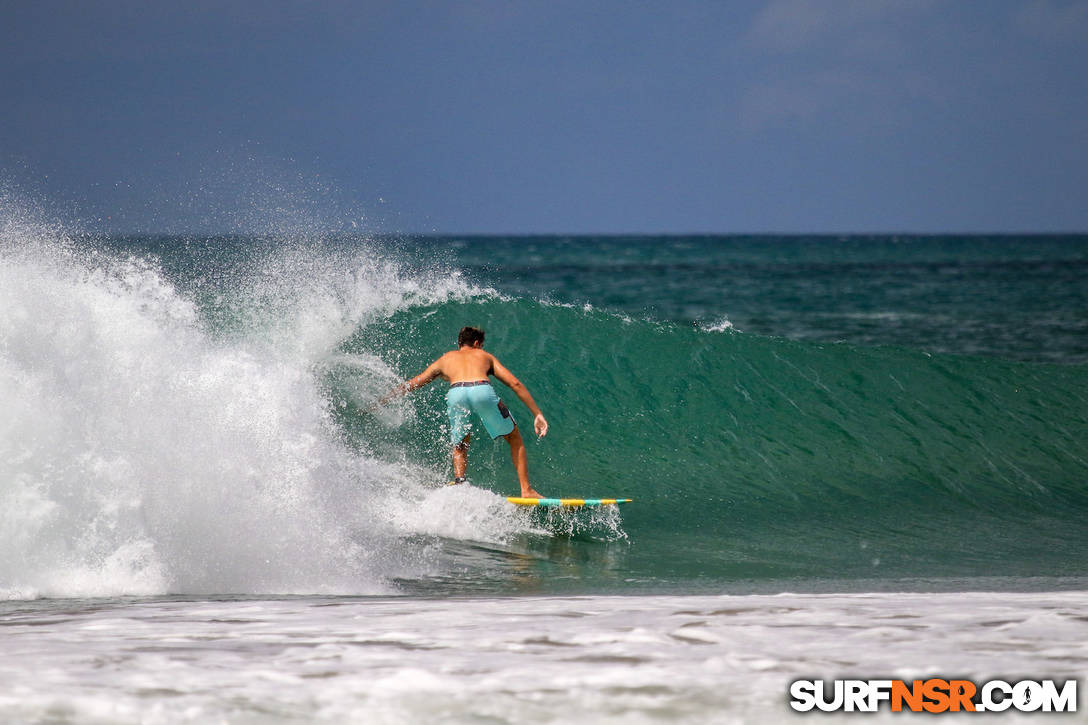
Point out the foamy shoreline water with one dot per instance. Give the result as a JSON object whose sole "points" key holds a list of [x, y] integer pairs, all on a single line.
{"points": [[589, 659]]}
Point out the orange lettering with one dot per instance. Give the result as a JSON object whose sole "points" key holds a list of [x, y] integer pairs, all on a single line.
{"points": [[961, 692], [912, 695], [936, 691]]}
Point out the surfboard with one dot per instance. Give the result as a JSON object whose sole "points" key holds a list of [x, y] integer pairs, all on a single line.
{"points": [[567, 501]]}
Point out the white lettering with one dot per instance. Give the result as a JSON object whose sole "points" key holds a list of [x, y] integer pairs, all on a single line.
{"points": [[803, 693], [856, 695], [879, 691], [836, 702], [1064, 701], [1027, 696], [993, 696], [988, 701]]}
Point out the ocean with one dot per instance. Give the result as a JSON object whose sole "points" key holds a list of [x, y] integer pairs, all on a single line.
{"points": [[858, 456]]}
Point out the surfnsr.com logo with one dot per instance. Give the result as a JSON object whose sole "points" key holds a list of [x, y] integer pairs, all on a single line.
{"points": [[933, 695]]}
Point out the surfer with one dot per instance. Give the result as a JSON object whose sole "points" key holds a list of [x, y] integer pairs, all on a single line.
{"points": [[468, 369]]}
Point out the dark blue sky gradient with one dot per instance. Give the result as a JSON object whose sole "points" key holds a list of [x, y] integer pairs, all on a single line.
{"points": [[552, 116]]}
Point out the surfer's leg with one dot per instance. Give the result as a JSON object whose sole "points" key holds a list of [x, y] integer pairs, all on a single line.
{"points": [[460, 458], [521, 462]]}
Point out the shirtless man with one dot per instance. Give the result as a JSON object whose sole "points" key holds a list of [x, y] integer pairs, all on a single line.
{"points": [[467, 369]]}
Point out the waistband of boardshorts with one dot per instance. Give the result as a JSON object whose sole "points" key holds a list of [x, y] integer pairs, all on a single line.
{"points": [[470, 384]]}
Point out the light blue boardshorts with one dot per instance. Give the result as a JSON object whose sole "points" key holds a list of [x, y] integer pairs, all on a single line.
{"points": [[479, 398]]}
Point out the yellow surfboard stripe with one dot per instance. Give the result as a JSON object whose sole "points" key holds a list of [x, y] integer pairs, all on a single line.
{"points": [[566, 501]]}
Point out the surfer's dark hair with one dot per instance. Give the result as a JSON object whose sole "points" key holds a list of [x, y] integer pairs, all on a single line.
{"points": [[470, 336]]}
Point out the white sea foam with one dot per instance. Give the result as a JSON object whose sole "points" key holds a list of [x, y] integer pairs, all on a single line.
{"points": [[641, 659], [722, 325], [461, 512], [142, 453]]}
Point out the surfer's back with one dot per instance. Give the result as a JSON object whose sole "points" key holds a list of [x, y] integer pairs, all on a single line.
{"points": [[468, 364]]}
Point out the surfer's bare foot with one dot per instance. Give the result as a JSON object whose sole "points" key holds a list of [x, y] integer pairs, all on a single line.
{"points": [[530, 493]]}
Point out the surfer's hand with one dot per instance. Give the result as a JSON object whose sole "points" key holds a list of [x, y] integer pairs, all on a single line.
{"points": [[540, 425]]}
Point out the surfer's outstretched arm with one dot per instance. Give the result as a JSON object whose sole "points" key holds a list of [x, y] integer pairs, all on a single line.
{"points": [[540, 425], [433, 371]]}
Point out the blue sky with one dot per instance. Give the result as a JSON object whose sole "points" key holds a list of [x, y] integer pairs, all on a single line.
{"points": [[550, 117]]}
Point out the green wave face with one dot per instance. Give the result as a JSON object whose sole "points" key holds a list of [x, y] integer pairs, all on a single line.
{"points": [[192, 416], [753, 457]]}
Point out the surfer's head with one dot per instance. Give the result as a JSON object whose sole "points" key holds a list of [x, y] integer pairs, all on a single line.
{"points": [[470, 336]]}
